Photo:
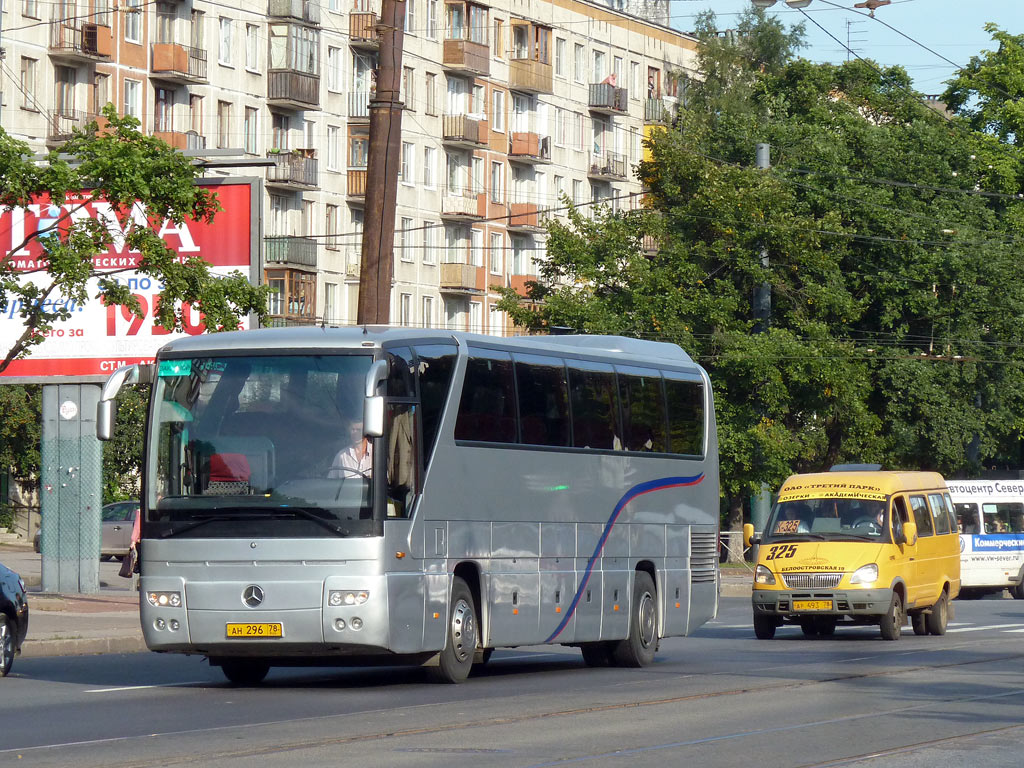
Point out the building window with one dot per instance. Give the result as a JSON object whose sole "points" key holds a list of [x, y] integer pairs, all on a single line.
{"points": [[429, 167], [476, 247], [165, 23], [334, 77], [405, 250], [333, 224], [577, 191], [519, 256], [100, 92], [132, 97], [252, 50], [279, 131], [634, 79], [358, 149], [408, 96], [224, 49], [29, 68], [331, 303], [406, 174], [410, 17], [133, 22], [196, 37], [598, 73], [579, 65], [476, 317], [223, 124], [499, 39], [275, 299], [30, 8], [405, 310], [495, 253], [477, 103], [432, 19], [560, 56], [250, 129], [164, 117], [428, 312], [431, 93], [430, 243], [476, 177], [333, 145], [497, 183], [498, 115], [295, 47]]}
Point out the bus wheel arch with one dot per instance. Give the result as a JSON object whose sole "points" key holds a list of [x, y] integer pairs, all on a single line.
{"points": [[891, 622]]}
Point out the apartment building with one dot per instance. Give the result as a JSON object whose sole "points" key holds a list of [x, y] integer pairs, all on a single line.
{"points": [[511, 108]]}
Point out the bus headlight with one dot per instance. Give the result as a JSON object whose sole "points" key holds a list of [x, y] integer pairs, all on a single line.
{"points": [[338, 597], [763, 576], [866, 574], [164, 599]]}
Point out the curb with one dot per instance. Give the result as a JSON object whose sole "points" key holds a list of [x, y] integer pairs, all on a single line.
{"points": [[82, 646]]}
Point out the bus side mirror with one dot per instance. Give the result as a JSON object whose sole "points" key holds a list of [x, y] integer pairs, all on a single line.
{"points": [[749, 539], [106, 408], [373, 404], [908, 533]]}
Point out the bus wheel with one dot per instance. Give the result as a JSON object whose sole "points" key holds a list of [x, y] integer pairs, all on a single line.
{"points": [[1017, 591], [597, 654], [455, 661], [826, 625], [244, 671], [892, 622], [938, 617], [764, 627], [809, 626], [919, 623], [637, 650]]}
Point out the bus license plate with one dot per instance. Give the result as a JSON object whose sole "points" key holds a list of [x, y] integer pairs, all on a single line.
{"points": [[254, 630], [812, 605]]}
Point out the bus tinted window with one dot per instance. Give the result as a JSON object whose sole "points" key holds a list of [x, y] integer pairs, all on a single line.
{"points": [[543, 401], [487, 409], [435, 363], [939, 517], [685, 415], [922, 516], [1003, 517], [401, 371], [967, 518], [643, 411], [594, 407]]}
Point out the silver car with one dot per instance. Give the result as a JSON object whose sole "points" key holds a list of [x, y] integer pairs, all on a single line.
{"points": [[117, 521]]}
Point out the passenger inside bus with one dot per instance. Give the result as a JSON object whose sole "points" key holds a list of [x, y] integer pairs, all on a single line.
{"points": [[793, 518]]}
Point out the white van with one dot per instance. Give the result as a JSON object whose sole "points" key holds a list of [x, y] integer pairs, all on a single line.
{"points": [[990, 515]]}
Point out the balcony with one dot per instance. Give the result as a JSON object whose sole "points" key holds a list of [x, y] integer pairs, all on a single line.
{"points": [[359, 105], [655, 111], [529, 76], [195, 140], [460, 278], [524, 217], [529, 148], [74, 41], [356, 188], [462, 205], [607, 165], [353, 260], [362, 31], [175, 139], [292, 171], [606, 99], [463, 56], [300, 10], [298, 252], [62, 122], [178, 63], [463, 131], [289, 89]]}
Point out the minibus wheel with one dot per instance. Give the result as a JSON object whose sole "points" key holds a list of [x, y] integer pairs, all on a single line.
{"points": [[919, 623], [826, 625], [892, 621], [764, 627], [809, 626], [938, 617]]}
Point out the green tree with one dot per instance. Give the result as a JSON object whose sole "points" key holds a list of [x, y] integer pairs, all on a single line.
{"points": [[989, 91], [120, 165], [122, 455], [897, 301], [20, 431]]}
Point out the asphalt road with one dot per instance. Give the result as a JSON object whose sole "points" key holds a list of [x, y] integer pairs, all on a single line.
{"points": [[719, 698]]}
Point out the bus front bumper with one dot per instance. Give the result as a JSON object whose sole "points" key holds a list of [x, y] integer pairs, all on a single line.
{"points": [[798, 603]]}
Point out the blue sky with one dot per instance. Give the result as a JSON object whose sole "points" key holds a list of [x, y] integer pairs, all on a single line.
{"points": [[954, 29]]}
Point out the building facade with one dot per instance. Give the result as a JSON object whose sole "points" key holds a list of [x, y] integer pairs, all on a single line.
{"points": [[511, 109]]}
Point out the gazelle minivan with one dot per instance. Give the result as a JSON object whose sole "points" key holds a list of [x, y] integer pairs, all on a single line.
{"points": [[857, 547]]}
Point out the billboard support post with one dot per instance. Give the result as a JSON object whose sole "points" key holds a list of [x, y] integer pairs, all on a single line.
{"points": [[71, 489]]}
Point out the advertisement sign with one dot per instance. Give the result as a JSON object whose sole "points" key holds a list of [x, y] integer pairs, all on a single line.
{"points": [[96, 340]]}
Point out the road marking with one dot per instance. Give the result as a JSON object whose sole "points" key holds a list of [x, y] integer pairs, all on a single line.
{"points": [[145, 687], [979, 629]]}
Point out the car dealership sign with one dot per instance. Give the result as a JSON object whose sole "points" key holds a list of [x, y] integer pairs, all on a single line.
{"points": [[96, 340]]}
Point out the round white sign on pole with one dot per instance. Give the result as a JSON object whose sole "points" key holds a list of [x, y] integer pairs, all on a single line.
{"points": [[68, 410]]}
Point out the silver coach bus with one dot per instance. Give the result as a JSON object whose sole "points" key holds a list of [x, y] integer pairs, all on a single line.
{"points": [[516, 491]]}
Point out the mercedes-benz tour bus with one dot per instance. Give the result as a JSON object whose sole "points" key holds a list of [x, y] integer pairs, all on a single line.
{"points": [[511, 492]]}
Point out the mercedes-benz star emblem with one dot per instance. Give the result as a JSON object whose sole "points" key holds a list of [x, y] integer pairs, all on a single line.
{"points": [[252, 596]]}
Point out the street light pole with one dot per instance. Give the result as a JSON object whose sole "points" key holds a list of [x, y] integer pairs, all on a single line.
{"points": [[761, 502]]}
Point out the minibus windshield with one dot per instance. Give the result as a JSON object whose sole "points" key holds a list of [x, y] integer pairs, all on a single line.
{"points": [[829, 519]]}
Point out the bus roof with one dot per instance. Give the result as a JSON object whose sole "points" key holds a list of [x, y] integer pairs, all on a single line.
{"points": [[373, 337], [885, 482]]}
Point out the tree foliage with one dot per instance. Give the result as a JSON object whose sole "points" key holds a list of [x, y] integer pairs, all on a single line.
{"points": [[897, 321], [122, 166]]}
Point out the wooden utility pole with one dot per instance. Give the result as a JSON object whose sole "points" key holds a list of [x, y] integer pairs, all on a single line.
{"points": [[377, 265]]}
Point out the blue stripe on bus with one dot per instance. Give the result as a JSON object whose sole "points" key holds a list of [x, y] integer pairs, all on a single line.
{"points": [[650, 486]]}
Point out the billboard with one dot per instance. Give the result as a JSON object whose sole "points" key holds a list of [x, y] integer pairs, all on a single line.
{"points": [[96, 340]]}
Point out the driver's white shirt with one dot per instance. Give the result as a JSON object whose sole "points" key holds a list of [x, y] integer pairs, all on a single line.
{"points": [[347, 458]]}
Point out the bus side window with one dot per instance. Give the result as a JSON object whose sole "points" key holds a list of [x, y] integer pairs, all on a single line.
{"points": [[434, 365], [900, 515], [967, 518], [685, 401], [403, 474], [922, 516]]}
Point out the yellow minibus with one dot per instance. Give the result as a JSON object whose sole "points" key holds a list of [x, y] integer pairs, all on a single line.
{"points": [[857, 547]]}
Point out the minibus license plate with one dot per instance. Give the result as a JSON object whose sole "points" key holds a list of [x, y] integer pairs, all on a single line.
{"points": [[254, 630], [812, 605]]}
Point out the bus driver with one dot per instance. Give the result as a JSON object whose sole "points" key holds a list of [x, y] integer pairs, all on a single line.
{"points": [[357, 458]]}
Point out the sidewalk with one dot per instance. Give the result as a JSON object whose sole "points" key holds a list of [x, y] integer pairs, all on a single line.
{"points": [[108, 621]]}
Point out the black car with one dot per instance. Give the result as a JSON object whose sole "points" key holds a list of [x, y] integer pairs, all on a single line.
{"points": [[13, 617]]}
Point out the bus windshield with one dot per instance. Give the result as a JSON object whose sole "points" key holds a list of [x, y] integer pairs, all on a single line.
{"points": [[259, 446], [829, 519]]}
